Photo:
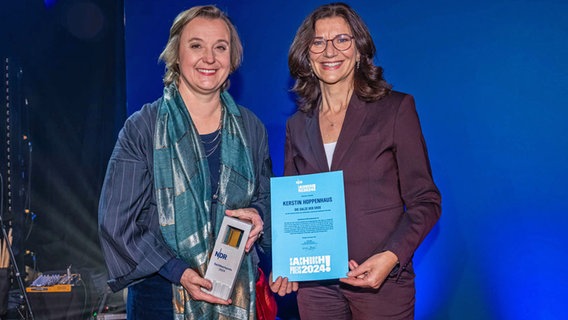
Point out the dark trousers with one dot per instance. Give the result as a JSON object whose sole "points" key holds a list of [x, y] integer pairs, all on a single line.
{"points": [[150, 299], [331, 300]]}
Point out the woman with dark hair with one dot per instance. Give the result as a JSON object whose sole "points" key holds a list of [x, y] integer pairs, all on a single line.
{"points": [[179, 166], [349, 119]]}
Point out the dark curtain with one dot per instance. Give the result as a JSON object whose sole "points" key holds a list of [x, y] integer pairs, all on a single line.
{"points": [[70, 57]]}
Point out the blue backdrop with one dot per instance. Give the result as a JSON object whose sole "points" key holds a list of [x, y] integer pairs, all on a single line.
{"points": [[489, 78]]}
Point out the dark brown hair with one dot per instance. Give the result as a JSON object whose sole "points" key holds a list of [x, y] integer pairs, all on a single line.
{"points": [[369, 82], [170, 55]]}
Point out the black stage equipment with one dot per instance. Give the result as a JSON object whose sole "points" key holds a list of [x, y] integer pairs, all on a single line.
{"points": [[13, 191]]}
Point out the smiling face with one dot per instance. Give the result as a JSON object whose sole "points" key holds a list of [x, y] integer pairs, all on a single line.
{"points": [[204, 55], [333, 66]]}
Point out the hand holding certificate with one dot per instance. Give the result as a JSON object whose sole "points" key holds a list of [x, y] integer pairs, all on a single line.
{"points": [[309, 234]]}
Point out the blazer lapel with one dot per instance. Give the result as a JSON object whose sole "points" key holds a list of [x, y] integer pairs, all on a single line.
{"points": [[354, 117], [315, 142]]}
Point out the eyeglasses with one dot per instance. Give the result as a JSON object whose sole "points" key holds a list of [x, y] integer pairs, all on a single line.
{"points": [[340, 42]]}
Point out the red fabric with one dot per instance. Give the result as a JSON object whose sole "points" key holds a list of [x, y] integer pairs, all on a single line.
{"points": [[266, 308]]}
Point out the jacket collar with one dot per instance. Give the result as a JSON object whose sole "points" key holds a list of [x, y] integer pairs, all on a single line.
{"points": [[354, 117]]}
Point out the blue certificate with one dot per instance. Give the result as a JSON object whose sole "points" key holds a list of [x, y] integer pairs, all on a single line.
{"points": [[309, 232]]}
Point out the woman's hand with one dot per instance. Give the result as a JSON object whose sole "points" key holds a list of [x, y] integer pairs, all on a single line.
{"points": [[371, 273], [251, 215], [193, 283], [282, 286]]}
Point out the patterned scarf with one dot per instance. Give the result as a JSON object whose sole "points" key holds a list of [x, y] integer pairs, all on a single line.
{"points": [[183, 195]]}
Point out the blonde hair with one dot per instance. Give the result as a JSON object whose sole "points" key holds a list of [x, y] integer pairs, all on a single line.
{"points": [[170, 55]]}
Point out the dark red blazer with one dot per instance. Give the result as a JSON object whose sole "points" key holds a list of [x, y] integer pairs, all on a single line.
{"points": [[391, 199]]}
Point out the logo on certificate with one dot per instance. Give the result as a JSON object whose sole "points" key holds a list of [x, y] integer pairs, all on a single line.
{"points": [[305, 187], [313, 264]]}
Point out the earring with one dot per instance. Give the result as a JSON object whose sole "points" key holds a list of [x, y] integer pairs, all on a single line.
{"points": [[358, 64]]}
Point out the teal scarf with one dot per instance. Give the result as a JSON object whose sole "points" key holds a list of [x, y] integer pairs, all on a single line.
{"points": [[183, 196]]}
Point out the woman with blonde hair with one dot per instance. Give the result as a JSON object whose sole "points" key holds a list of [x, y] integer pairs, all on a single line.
{"points": [[179, 166]]}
